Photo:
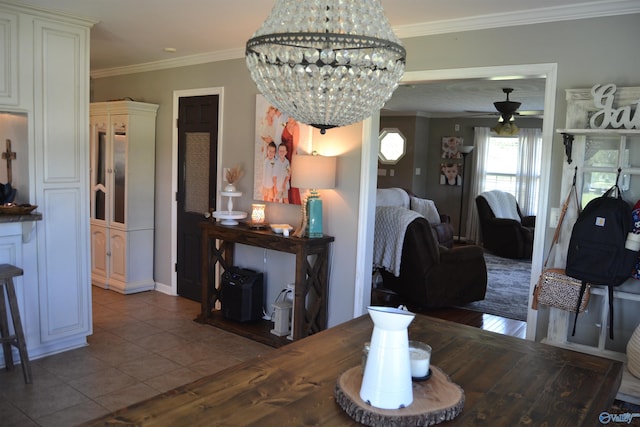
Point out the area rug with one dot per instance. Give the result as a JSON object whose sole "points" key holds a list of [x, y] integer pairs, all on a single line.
{"points": [[507, 288]]}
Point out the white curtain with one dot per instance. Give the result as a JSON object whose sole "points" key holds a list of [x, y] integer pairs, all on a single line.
{"points": [[481, 144], [528, 174]]}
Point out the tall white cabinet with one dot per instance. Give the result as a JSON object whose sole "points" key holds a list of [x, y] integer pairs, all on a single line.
{"points": [[122, 195], [44, 77], [598, 154]]}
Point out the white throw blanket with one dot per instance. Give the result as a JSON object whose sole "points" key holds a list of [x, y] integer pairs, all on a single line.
{"points": [[426, 208], [392, 197], [502, 204], [391, 225]]}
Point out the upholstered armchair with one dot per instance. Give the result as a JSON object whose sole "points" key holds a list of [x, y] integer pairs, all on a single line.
{"points": [[441, 223], [505, 231], [429, 275]]}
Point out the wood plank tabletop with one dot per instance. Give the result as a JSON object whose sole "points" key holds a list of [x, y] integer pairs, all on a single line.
{"points": [[507, 381]]}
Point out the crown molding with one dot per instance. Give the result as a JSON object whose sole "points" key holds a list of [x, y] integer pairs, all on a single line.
{"points": [[183, 61], [527, 17], [17, 6], [498, 20]]}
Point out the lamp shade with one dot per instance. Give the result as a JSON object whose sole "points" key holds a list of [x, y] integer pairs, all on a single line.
{"points": [[316, 172]]}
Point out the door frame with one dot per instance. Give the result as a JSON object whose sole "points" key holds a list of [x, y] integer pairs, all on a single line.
{"points": [[369, 166], [177, 94]]}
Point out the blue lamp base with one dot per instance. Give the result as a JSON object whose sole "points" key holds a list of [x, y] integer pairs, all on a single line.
{"points": [[314, 216]]}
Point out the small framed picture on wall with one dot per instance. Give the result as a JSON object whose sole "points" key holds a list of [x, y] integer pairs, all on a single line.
{"points": [[451, 147], [451, 173]]}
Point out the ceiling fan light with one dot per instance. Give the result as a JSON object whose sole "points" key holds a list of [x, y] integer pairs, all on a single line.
{"points": [[506, 129], [506, 118], [326, 63]]}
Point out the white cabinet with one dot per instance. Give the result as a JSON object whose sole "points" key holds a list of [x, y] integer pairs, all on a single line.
{"points": [[598, 155], [122, 195], [8, 58], [44, 76]]}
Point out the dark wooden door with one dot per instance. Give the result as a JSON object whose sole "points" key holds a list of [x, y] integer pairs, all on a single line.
{"points": [[197, 172]]}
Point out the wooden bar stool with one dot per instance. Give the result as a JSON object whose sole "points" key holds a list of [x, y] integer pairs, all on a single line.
{"points": [[7, 273]]}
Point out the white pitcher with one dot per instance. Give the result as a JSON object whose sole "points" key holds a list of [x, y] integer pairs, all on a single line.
{"points": [[386, 383]]}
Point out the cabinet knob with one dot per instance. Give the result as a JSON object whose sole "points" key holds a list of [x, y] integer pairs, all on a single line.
{"points": [[108, 253]]}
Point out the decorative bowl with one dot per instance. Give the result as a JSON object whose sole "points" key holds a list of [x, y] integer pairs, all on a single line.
{"points": [[279, 228], [13, 209]]}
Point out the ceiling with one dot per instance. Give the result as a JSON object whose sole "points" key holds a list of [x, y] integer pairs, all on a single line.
{"points": [[466, 97], [129, 34]]}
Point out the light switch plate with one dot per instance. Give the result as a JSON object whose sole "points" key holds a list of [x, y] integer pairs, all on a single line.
{"points": [[554, 217]]}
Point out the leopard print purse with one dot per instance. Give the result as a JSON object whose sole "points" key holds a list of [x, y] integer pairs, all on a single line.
{"points": [[554, 287]]}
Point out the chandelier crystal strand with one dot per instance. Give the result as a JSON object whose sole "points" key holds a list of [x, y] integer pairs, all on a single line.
{"points": [[326, 63]]}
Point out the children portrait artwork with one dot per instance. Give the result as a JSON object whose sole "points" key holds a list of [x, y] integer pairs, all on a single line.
{"points": [[279, 138], [450, 174], [451, 147]]}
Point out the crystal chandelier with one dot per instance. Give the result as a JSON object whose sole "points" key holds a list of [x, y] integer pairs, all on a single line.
{"points": [[326, 63]]}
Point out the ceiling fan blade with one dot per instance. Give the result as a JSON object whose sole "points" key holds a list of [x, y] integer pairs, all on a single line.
{"points": [[484, 113], [530, 113]]}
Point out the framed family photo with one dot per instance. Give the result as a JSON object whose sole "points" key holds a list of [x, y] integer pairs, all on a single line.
{"points": [[278, 139]]}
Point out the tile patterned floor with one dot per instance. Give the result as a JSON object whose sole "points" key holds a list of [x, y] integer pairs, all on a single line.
{"points": [[142, 344]]}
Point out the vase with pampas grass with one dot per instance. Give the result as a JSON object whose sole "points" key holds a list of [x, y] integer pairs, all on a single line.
{"points": [[232, 175]]}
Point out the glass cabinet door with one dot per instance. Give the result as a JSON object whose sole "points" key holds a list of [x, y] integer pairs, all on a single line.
{"points": [[603, 155], [119, 169], [99, 170], [602, 151]]}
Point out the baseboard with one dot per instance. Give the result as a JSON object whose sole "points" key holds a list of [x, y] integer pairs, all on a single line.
{"points": [[165, 289]]}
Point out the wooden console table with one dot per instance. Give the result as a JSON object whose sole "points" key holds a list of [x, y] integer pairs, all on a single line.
{"points": [[310, 294]]}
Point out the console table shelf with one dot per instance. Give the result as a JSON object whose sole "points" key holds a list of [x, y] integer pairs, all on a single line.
{"points": [[257, 331], [310, 293]]}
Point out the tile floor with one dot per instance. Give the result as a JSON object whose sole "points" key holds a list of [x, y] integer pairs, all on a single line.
{"points": [[142, 344]]}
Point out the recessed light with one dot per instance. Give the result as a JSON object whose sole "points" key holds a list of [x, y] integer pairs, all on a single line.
{"points": [[170, 49]]}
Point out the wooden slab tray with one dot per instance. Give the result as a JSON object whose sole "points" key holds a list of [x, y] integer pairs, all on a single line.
{"points": [[16, 209], [435, 400]]}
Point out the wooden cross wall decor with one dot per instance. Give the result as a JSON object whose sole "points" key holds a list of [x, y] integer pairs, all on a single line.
{"points": [[9, 155]]}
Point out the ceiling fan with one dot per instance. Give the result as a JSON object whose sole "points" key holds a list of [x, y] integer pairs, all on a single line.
{"points": [[507, 109]]}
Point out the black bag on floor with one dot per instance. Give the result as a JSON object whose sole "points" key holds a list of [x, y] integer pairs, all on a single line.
{"points": [[597, 253]]}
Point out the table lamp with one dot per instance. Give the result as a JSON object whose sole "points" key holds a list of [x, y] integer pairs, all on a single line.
{"points": [[313, 172]]}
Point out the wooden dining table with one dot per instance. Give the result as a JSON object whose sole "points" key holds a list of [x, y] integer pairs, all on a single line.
{"points": [[506, 381]]}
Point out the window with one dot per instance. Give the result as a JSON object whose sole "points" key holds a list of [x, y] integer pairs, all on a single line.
{"points": [[501, 166], [392, 146], [502, 170]]}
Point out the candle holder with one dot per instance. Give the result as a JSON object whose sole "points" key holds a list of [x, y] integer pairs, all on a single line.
{"points": [[258, 216]]}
